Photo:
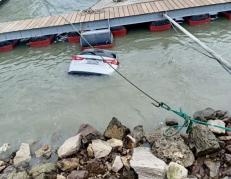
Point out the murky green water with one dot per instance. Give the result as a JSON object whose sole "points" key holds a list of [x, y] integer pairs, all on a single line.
{"points": [[39, 100]]}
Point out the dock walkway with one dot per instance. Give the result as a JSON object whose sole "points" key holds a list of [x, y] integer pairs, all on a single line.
{"points": [[115, 16]]}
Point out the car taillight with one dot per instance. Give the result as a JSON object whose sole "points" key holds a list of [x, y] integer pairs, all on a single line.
{"points": [[112, 62], [76, 57]]}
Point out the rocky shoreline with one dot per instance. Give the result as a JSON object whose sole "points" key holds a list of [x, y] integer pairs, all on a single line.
{"points": [[128, 154]]}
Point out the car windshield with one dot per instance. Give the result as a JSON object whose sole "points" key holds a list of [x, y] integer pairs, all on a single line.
{"points": [[99, 53]]}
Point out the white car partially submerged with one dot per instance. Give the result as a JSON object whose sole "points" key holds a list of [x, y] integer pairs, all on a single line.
{"points": [[94, 62]]}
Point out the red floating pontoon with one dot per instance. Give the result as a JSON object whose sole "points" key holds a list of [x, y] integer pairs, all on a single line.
{"points": [[199, 20], [41, 41], [119, 31], [227, 14], [158, 26], [8, 45], [73, 38]]}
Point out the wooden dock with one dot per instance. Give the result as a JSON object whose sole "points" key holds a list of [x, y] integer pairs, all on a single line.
{"points": [[115, 16]]}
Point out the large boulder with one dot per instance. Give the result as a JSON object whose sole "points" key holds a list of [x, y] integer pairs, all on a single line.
{"points": [[96, 167], [212, 126], [138, 134], [116, 130], [70, 146], [146, 165], [117, 164], [172, 149], [5, 152], [115, 142], [78, 174], [89, 133], [176, 171], [101, 148], [18, 175], [68, 164], [203, 140], [43, 169], [205, 114], [23, 154], [213, 167], [44, 151]]}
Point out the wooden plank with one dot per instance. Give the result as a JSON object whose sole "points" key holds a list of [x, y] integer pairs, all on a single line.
{"points": [[140, 9], [33, 24], [72, 20], [102, 15], [8, 26], [87, 18], [126, 12], [23, 25], [189, 3], [135, 9], [170, 7], [130, 10], [164, 7], [154, 7], [121, 11], [173, 4], [92, 17], [58, 21], [212, 2], [111, 13], [63, 21], [106, 14], [194, 3], [149, 6], [82, 17], [116, 11], [96, 16], [77, 18], [69, 17], [44, 21], [5, 25], [145, 9], [182, 2], [178, 4], [48, 21]]}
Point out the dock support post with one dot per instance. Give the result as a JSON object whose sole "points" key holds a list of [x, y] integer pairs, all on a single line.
{"points": [[220, 60]]}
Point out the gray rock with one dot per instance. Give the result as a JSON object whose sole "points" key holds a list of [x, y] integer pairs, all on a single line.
{"points": [[117, 164], [48, 168], [46, 176], [176, 171], [115, 142], [225, 138], [44, 151], [146, 165], [70, 146], [173, 149], [138, 134], [213, 167], [205, 114], [214, 129], [203, 140], [129, 142], [116, 130], [5, 152], [171, 122], [60, 177], [23, 154], [89, 133], [90, 151], [19, 175], [78, 174], [101, 148], [68, 164]]}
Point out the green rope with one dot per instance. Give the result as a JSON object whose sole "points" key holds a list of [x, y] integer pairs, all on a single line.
{"points": [[188, 122]]}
